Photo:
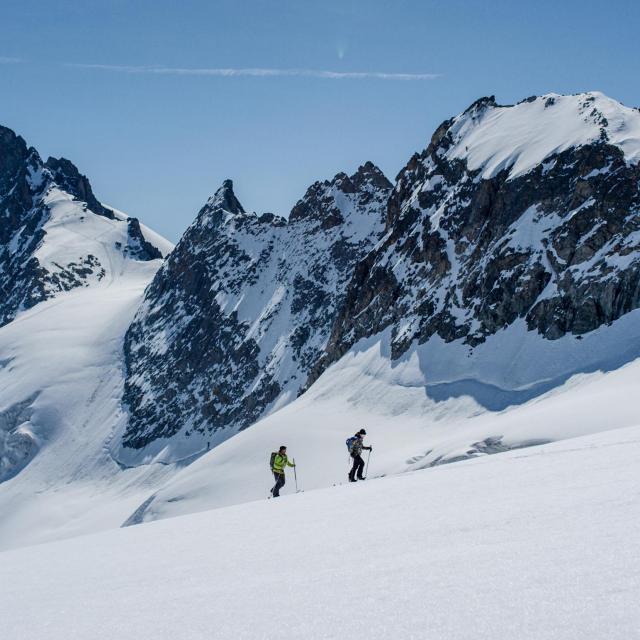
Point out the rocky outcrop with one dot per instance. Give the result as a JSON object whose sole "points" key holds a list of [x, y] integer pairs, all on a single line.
{"points": [[242, 309], [69, 179]]}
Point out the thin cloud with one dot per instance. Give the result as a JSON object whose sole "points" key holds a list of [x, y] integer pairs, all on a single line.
{"points": [[7, 60], [261, 73]]}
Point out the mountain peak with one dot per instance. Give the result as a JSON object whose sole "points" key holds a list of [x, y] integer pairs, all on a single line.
{"points": [[225, 198], [321, 200], [69, 179], [54, 233], [486, 102], [369, 173]]}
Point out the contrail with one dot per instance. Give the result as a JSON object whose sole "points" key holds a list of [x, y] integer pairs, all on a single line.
{"points": [[260, 73]]}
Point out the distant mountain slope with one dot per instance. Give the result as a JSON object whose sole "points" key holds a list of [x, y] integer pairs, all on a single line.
{"points": [[61, 384], [241, 311], [54, 234]]}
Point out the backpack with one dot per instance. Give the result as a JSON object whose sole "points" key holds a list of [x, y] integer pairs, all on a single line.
{"points": [[272, 459], [350, 442]]}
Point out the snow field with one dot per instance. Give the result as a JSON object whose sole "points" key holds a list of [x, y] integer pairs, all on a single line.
{"points": [[529, 544]]}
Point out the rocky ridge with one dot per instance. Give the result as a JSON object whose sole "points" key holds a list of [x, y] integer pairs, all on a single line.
{"points": [[242, 309]]}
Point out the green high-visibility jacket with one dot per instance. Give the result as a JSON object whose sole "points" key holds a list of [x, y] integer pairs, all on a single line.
{"points": [[279, 463]]}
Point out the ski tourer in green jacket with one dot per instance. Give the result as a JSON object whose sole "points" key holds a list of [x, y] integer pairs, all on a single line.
{"points": [[279, 462]]}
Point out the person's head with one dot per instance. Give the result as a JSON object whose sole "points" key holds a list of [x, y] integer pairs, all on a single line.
{"points": [[361, 434], [282, 449]]}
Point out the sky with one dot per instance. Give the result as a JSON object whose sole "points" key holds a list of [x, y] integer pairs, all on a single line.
{"points": [[158, 102]]}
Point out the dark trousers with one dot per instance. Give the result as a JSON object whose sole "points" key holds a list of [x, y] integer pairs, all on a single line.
{"points": [[357, 468], [278, 485]]}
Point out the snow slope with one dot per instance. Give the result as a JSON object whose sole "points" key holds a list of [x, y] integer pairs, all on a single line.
{"points": [[61, 385], [75, 236], [530, 544], [439, 403]]}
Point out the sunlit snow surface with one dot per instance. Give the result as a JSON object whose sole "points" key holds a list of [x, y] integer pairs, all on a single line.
{"points": [[521, 136], [62, 360], [529, 544]]}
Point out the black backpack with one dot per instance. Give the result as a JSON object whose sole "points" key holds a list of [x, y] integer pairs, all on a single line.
{"points": [[272, 459]]}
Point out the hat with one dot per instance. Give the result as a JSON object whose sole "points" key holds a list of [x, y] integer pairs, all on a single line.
{"points": [[362, 432]]}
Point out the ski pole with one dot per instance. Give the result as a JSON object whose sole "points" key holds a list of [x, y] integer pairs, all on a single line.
{"points": [[366, 473], [295, 475]]}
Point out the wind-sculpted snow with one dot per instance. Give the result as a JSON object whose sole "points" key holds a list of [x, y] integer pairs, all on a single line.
{"points": [[518, 138], [241, 311], [541, 227], [54, 234]]}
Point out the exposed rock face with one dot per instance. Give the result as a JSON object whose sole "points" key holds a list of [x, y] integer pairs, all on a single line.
{"points": [[69, 179], [18, 444], [34, 198], [479, 236], [242, 309]]}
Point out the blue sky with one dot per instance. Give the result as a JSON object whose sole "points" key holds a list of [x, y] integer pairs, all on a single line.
{"points": [[132, 92]]}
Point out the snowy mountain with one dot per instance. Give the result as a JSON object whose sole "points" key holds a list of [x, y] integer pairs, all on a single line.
{"points": [[498, 310], [519, 223], [489, 301], [524, 215], [241, 311], [72, 273], [54, 234]]}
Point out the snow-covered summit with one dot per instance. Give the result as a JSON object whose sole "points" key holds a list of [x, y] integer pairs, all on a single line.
{"points": [[72, 272], [492, 137], [529, 212]]}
